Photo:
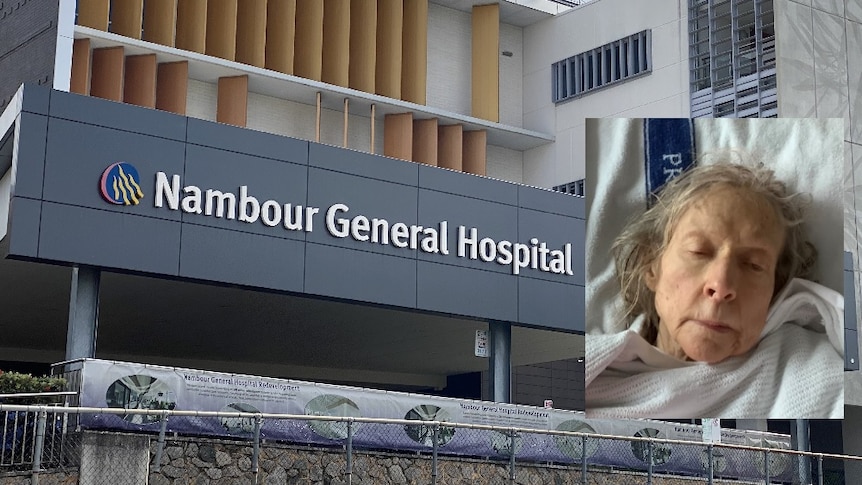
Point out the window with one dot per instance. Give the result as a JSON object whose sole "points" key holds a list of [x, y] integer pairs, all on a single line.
{"points": [[574, 188], [614, 62], [731, 58]]}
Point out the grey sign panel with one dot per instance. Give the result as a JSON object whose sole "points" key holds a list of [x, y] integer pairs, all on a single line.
{"points": [[360, 275], [466, 291], [362, 164], [233, 257], [79, 218], [555, 231], [490, 220], [549, 201], [452, 182], [109, 239], [35, 99], [110, 114], [24, 216], [543, 303], [32, 132], [240, 140], [371, 198], [265, 179], [78, 153]]}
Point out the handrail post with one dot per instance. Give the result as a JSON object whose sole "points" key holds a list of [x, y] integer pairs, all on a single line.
{"points": [[255, 451], [157, 465], [711, 467], [820, 469], [583, 460], [649, 462], [40, 441], [435, 441], [766, 466], [349, 451], [512, 455]]}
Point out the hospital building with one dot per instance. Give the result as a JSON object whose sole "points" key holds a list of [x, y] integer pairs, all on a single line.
{"points": [[377, 193]]}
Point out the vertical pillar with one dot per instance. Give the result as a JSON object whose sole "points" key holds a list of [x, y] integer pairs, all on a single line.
{"points": [[280, 33], [160, 21], [251, 32], [232, 107], [192, 25], [390, 21], [308, 60], [127, 18], [398, 136], [94, 13], [486, 62], [414, 65], [80, 78], [475, 148], [221, 29], [336, 42], [107, 77], [172, 83], [83, 313], [500, 362], [800, 441], [450, 151], [139, 87], [363, 44], [425, 141]]}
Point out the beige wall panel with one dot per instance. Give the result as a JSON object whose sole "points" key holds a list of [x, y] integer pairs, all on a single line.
{"points": [[221, 29], [414, 64], [363, 44], [94, 13], [475, 152], [280, 32], [390, 18], [308, 59], [486, 62], [160, 21], [192, 25], [139, 87], [336, 41], [450, 147], [425, 141], [107, 76], [172, 83], [251, 32], [80, 78], [398, 136], [232, 100], [127, 17]]}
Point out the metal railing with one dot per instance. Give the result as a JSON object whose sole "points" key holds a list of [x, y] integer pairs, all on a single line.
{"points": [[37, 438]]}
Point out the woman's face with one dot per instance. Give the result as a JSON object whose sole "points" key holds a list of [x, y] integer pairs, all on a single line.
{"points": [[715, 279]]}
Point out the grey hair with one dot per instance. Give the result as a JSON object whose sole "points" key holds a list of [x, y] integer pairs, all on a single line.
{"points": [[644, 239]]}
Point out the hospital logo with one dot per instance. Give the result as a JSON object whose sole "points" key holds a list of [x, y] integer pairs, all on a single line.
{"points": [[120, 184]]}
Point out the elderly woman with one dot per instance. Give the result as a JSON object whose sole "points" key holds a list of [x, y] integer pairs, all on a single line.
{"points": [[720, 323]]}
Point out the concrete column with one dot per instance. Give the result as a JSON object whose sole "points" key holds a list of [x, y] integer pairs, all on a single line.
{"points": [[752, 424], [500, 362], [83, 313], [800, 441]]}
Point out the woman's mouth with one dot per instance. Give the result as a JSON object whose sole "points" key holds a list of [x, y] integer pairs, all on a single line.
{"points": [[714, 325]]}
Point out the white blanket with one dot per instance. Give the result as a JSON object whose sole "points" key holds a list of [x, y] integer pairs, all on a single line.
{"points": [[795, 371]]}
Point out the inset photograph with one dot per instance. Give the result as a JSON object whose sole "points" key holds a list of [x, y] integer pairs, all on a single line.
{"points": [[714, 261]]}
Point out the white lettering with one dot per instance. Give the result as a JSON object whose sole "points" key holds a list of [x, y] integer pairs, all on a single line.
{"points": [[340, 230], [464, 241], [487, 249], [192, 200], [380, 231], [292, 217], [270, 213], [245, 202], [220, 200], [674, 158], [400, 233], [360, 227], [164, 191]]}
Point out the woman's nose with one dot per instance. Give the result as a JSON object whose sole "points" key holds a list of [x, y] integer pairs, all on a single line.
{"points": [[720, 284]]}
